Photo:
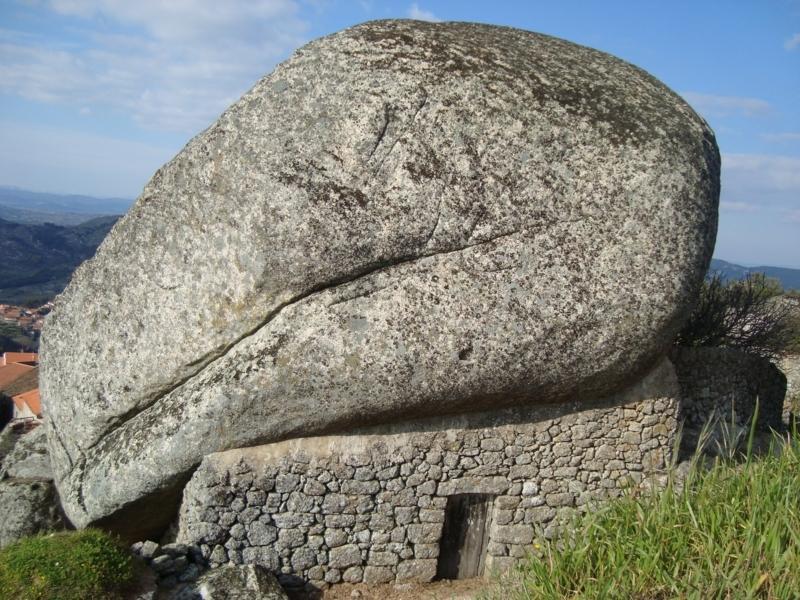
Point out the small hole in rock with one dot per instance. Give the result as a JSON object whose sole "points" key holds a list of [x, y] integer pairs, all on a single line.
{"points": [[465, 353]]}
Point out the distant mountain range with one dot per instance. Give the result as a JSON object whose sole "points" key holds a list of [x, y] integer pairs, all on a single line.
{"points": [[789, 278], [38, 260], [12, 197]]}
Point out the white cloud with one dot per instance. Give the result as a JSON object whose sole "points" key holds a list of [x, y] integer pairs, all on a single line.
{"points": [[711, 105], [787, 136], [763, 172], [793, 42], [171, 65], [760, 209], [738, 206], [766, 184], [415, 12]]}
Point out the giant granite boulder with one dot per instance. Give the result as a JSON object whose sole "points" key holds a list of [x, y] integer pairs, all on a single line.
{"points": [[403, 219]]}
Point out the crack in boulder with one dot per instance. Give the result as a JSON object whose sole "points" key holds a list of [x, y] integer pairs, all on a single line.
{"points": [[365, 272]]}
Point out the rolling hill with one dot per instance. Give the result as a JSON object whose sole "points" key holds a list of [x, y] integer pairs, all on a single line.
{"points": [[789, 278]]}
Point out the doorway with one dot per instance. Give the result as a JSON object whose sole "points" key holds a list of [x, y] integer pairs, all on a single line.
{"points": [[465, 536]]}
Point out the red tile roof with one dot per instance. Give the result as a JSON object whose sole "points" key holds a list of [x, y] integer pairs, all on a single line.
{"points": [[18, 357], [24, 383], [31, 399], [9, 373]]}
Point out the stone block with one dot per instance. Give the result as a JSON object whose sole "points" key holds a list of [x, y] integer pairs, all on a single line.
{"points": [[377, 575], [339, 521], [512, 534], [426, 550], [364, 474], [503, 517], [335, 538], [149, 549], [249, 514], [506, 502], [238, 532], [387, 473], [379, 522], [333, 576], [286, 482], [540, 514], [344, 556], [417, 570], [353, 575], [523, 472], [219, 555], [351, 486], [335, 503], [560, 499], [427, 515], [404, 515], [427, 488], [314, 488], [415, 479], [256, 498], [290, 538], [425, 533], [383, 559], [287, 520], [302, 559], [492, 444]]}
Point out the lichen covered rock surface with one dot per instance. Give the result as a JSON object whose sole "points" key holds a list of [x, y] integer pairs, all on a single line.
{"points": [[403, 219], [28, 498]]}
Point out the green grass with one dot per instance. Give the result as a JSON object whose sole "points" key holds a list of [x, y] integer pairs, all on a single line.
{"points": [[732, 531], [65, 566]]}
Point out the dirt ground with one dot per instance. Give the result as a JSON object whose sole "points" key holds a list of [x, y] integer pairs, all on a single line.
{"points": [[462, 589]]}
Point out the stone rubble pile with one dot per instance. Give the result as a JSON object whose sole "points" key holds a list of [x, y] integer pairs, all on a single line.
{"points": [[173, 563]]}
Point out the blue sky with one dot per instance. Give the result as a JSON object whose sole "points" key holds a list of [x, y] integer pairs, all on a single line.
{"points": [[96, 94]]}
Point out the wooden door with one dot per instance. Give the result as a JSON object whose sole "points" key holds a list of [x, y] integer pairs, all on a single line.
{"points": [[462, 550]]}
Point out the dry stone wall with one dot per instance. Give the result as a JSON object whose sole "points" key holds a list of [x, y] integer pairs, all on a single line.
{"points": [[371, 506], [726, 382]]}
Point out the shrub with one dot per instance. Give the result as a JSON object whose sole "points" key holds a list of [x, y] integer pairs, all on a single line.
{"points": [[65, 566], [747, 314]]}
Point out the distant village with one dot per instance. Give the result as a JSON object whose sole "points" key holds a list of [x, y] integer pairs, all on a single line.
{"points": [[20, 405], [29, 320]]}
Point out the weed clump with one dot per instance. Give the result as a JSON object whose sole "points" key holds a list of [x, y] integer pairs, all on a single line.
{"points": [[66, 565]]}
